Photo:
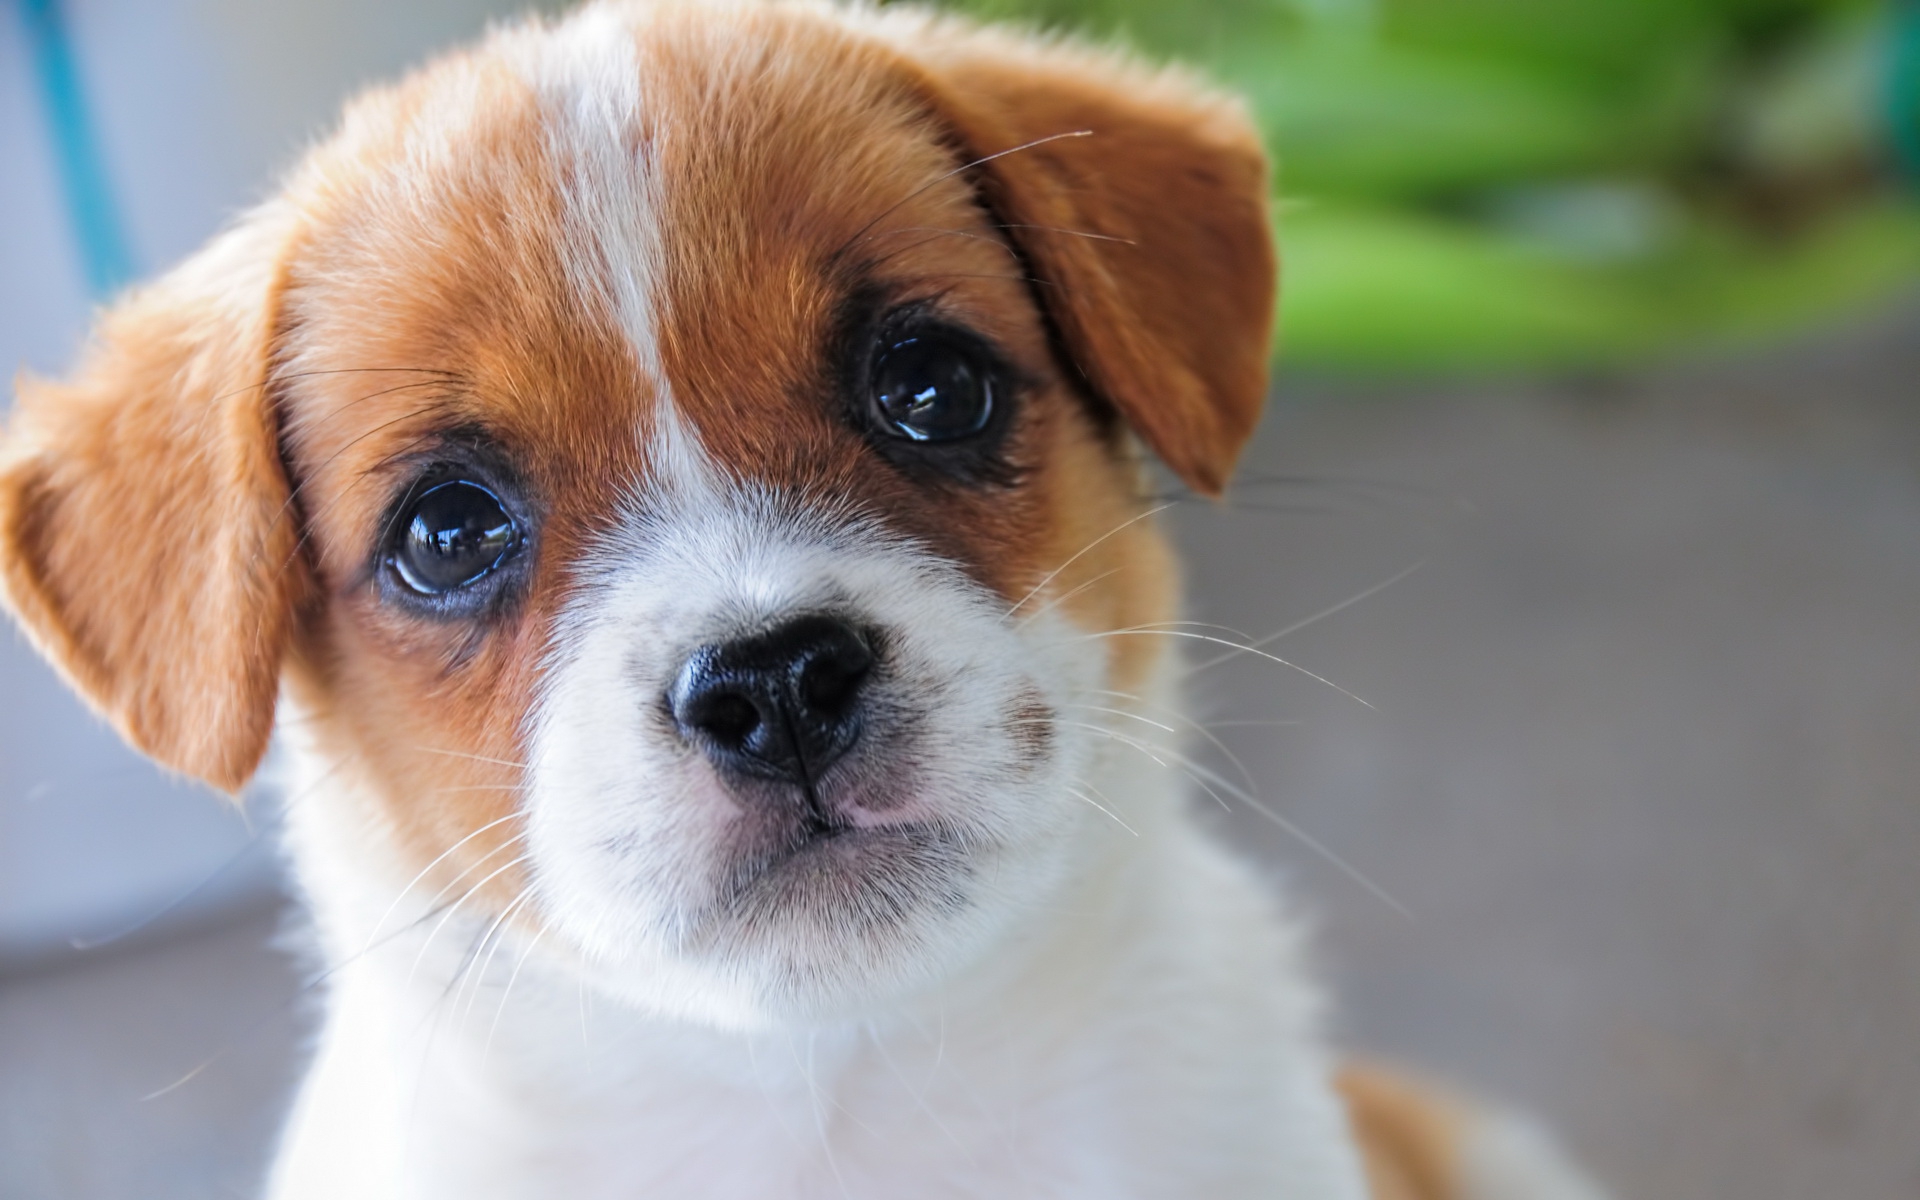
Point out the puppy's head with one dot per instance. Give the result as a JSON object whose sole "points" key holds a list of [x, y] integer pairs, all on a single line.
{"points": [[678, 460]]}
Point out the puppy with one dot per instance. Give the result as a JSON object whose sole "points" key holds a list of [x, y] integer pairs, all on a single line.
{"points": [[674, 472]]}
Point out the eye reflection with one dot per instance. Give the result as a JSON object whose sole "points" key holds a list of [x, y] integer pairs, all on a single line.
{"points": [[931, 388], [456, 534]]}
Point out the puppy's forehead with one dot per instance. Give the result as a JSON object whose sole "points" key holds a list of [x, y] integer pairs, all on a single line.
{"points": [[577, 228]]}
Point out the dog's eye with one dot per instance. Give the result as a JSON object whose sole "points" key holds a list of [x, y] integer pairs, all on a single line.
{"points": [[931, 388], [456, 533]]}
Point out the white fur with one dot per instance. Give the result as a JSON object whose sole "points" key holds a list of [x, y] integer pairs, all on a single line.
{"points": [[697, 563], [586, 72]]}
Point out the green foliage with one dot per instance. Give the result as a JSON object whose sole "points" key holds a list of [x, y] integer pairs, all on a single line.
{"points": [[1449, 167], [1391, 290]]}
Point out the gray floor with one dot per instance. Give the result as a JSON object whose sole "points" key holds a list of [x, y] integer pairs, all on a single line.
{"points": [[1643, 785]]}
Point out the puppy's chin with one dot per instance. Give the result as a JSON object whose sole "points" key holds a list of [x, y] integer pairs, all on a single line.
{"points": [[840, 921], [823, 925]]}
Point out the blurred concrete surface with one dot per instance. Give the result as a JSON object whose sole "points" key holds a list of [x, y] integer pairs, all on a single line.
{"points": [[1645, 770], [156, 1073], [1642, 782]]}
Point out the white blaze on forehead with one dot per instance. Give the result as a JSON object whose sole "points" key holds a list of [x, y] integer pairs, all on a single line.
{"points": [[678, 464], [586, 72]]}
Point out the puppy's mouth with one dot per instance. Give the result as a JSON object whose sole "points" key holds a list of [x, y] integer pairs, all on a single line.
{"points": [[814, 843], [838, 875]]}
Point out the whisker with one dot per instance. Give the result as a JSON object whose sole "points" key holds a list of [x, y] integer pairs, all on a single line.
{"points": [[497, 933], [1157, 626], [1077, 794], [435, 932], [1205, 776], [919, 1094], [935, 234], [1063, 597], [1204, 732], [819, 1103], [860, 234], [1180, 633], [295, 492], [532, 944], [424, 871], [1015, 278], [1120, 712], [1098, 237], [1323, 614], [280, 376], [1083, 551], [498, 762]]}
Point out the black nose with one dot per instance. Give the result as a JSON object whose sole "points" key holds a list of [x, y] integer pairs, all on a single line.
{"points": [[781, 705]]}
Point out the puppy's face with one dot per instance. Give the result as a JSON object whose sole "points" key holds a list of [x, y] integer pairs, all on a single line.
{"points": [[687, 489]]}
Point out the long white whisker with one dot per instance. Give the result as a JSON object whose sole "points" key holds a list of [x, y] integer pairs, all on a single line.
{"points": [[532, 944], [1323, 614], [1206, 777], [1155, 626], [1097, 237], [467, 895], [1203, 731], [866, 229], [1121, 712], [438, 859], [1238, 647], [819, 1110], [1055, 573], [1077, 794], [1063, 597], [483, 958], [479, 758]]}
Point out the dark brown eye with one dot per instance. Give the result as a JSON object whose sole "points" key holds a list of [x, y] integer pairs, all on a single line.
{"points": [[455, 534], [931, 388]]}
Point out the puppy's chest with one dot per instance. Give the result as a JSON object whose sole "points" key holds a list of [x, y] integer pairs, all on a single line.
{"points": [[775, 1115]]}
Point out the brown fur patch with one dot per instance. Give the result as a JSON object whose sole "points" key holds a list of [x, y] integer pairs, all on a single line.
{"points": [[143, 544], [1140, 198], [1408, 1133]]}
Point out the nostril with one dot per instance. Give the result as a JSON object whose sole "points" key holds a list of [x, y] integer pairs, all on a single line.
{"points": [[830, 681], [717, 704], [729, 718]]}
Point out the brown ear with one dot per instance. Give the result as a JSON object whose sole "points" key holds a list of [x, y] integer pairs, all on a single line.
{"points": [[145, 542], [1145, 224]]}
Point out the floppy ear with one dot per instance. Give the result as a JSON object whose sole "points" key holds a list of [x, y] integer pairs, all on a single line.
{"points": [[1144, 220], [145, 542]]}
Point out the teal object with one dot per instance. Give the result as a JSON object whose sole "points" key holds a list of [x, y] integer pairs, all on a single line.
{"points": [[91, 207], [1903, 90]]}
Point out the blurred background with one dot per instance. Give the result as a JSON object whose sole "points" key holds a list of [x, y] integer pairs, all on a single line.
{"points": [[1593, 463]]}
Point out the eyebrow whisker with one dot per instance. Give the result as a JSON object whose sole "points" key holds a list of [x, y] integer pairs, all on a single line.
{"points": [[861, 233]]}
